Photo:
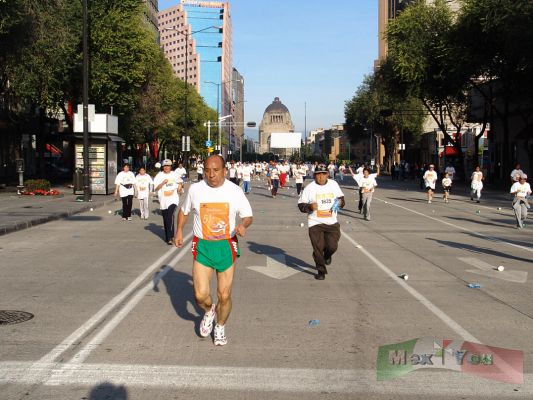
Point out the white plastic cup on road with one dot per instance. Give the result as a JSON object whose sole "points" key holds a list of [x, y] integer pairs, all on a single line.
{"points": [[501, 268], [92, 209], [110, 212], [301, 225], [404, 277]]}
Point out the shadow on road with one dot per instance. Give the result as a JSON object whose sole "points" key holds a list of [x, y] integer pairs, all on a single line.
{"points": [[108, 391], [83, 218], [180, 290], [495, 239], [477, 221], [156, 230], [292, 262], [479, 250]]}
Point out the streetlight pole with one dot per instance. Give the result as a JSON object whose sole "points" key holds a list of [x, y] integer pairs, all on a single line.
{"points": [[86, 182]]}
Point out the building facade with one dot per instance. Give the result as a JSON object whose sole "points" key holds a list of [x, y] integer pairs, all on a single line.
{"points": [[237, 104], [276, 118], [196, 37]]}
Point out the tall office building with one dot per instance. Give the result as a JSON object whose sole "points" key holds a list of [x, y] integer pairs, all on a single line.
{"points": [[196, 37], [388, 9], [237, 99]]}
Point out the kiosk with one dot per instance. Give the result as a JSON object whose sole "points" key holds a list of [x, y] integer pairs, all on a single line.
{"points": [[103, 148]]}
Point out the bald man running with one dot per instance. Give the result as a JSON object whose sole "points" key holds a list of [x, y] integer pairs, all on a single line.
{"points": [[215, 204]]}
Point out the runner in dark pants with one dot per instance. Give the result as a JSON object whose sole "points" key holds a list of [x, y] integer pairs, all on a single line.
{"points": [[321, 200]]}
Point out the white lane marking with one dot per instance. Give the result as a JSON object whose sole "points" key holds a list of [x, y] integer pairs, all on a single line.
{"points": [[417, 295], [97, 340], [491, 271], [305, 380], [102, 313], [277, 268], [491, 238]]}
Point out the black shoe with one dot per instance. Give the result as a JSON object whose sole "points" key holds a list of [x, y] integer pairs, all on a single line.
{"points": [[320, 276], [477, 201], [328, 260]]}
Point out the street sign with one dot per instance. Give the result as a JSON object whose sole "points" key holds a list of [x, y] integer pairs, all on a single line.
{"points": [[208, 143], [210, 149]]}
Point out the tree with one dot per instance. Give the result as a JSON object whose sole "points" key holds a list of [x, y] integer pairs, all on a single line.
{"points": [[378, 107], [39, 71], [495, 40], [424, 64]]}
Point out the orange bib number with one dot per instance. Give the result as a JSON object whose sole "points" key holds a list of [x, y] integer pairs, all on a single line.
{"points": [[325, 203], [214, 218]]}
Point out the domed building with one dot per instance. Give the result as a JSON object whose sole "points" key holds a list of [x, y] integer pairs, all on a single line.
{"points": [[276, 118]]}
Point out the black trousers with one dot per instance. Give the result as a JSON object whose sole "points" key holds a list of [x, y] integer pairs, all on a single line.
{"points": [[127, 204], [168, 221], [299, 188], [360, 205], [325, 240]]}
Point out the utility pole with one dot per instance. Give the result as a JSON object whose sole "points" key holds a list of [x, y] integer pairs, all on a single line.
{"points": [[86, 181]]}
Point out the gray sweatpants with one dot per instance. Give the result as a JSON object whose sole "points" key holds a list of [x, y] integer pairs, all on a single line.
{"points": [[144, 206], [520, 211], [367, 199]]}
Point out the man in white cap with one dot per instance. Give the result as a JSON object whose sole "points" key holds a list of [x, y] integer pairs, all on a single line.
{"points": [[521, 191], [321, 200], [168, 185]]}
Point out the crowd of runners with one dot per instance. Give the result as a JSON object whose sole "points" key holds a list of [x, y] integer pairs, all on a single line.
{"points": [[221, 212]]}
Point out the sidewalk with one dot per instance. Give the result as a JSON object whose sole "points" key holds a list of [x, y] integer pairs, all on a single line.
{"points": [[21, 212]]}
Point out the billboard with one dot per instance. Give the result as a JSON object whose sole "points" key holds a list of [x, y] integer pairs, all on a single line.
{"points": [[285, 140]]}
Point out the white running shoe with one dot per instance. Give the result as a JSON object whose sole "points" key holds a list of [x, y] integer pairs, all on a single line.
{"points": [[220, 335], [206, 326]]}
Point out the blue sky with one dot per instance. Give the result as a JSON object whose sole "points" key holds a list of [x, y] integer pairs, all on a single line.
{"points": [[302, 51]]}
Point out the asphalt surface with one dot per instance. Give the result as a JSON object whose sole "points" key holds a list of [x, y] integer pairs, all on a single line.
{"points": [[114, 316]]}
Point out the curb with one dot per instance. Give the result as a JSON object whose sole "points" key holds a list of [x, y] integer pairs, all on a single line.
{"points": [[19, 226]]}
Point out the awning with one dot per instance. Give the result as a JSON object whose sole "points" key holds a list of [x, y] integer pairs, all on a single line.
{"points": [[449, 151], [50, 148]]}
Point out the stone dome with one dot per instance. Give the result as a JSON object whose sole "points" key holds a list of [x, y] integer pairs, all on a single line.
{"points": [[276, 107]]}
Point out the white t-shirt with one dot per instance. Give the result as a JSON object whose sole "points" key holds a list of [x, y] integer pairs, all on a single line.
{"points": [[215, 209], [181, 172], [299, 174], [274, 173], [522, 190], [430, 177], [450, 171], [368, 183], [239, 172], [324, 196], [446, 182], [247, 173], [331, 168], [200, 168], [232, 172], [168, 194], [125, 178], [142, 183], [516, 173]]}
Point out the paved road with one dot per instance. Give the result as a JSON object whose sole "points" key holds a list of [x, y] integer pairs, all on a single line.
{"points": [[115, 317]]}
